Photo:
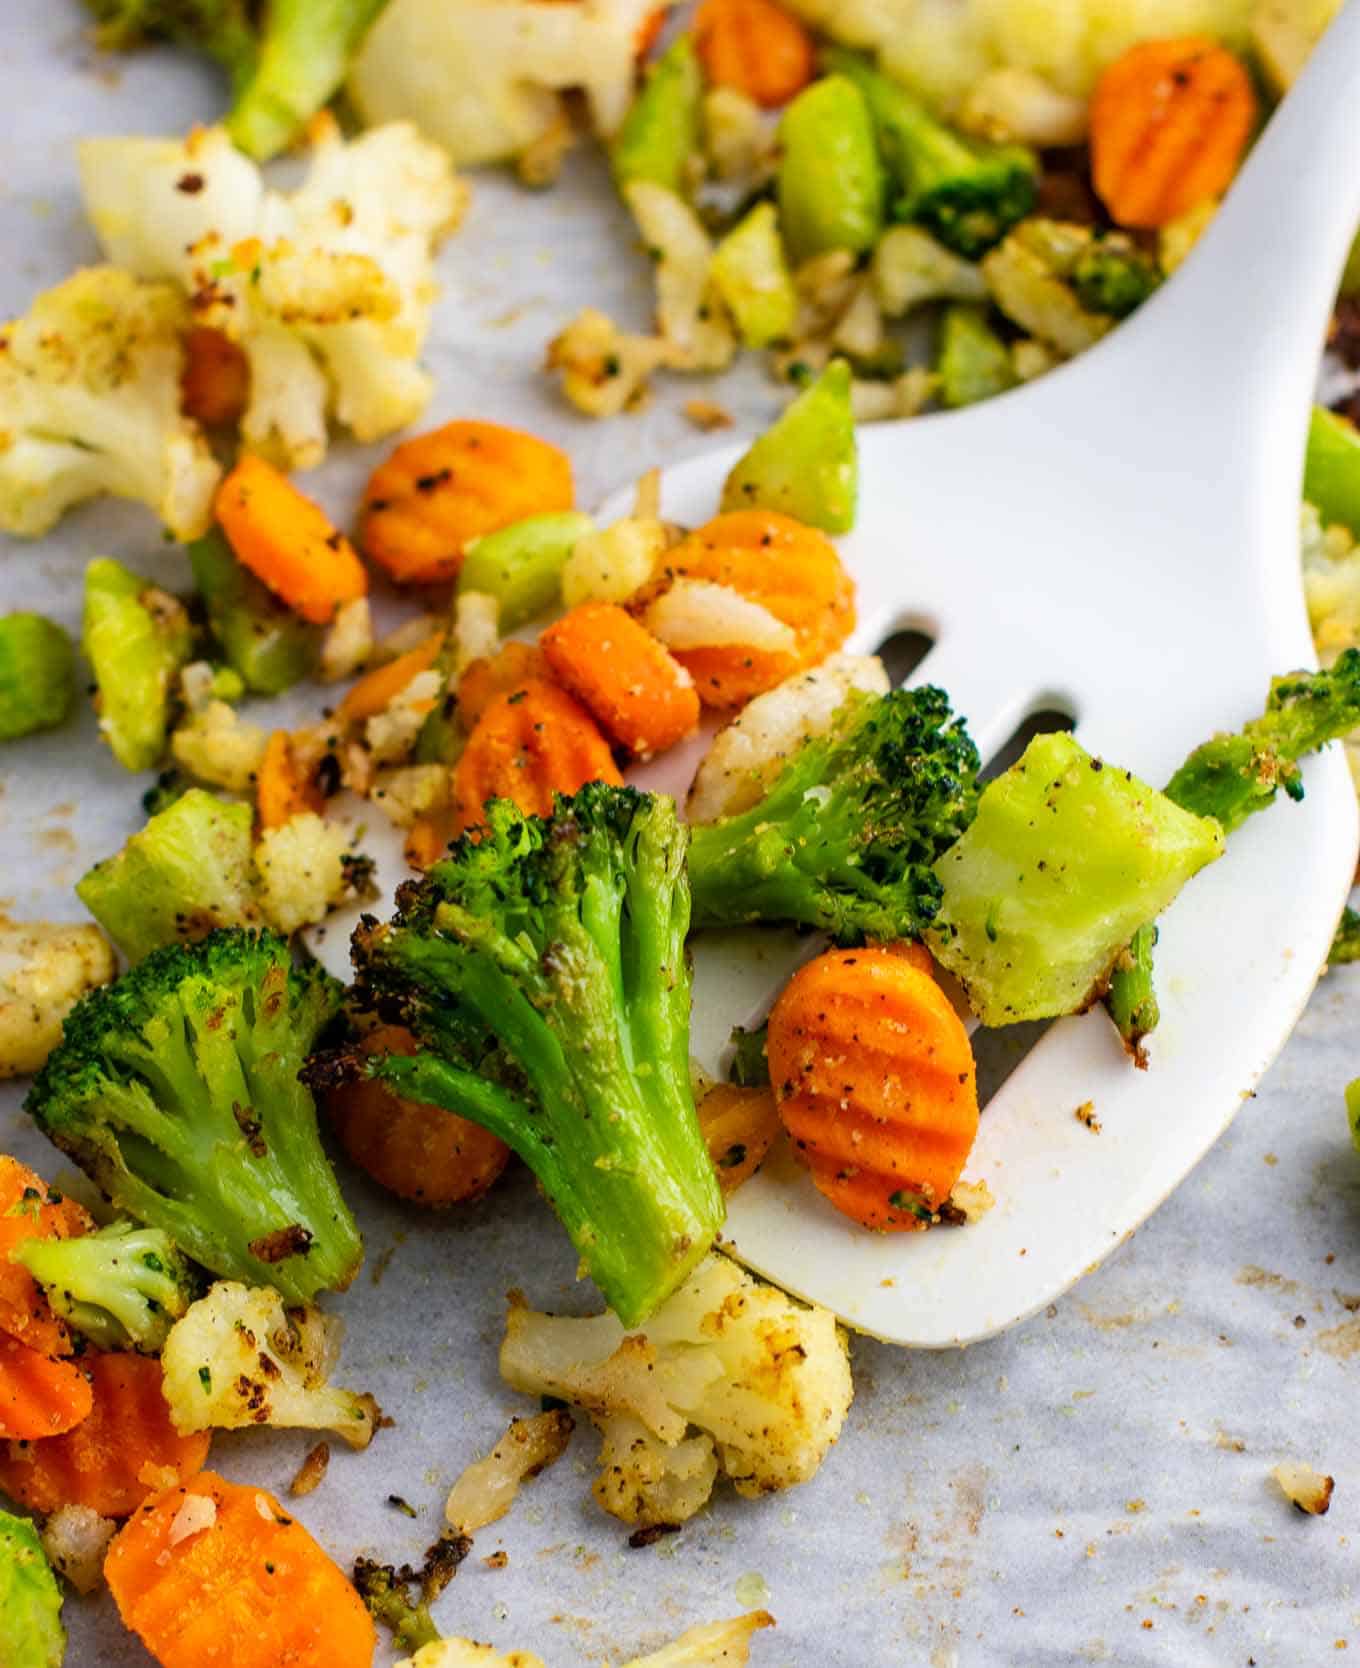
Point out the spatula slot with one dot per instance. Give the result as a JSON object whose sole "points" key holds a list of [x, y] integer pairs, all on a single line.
{"points": [[903, 652], [1000, 1052], [1047, 721]]}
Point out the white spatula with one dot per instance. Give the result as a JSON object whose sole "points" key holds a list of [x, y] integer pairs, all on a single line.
{"points": [[1121, 541]]}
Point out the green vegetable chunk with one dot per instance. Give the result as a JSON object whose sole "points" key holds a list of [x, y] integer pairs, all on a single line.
{"points": [[661, 130], [1066, 859], [967, 193], [807, 463], [543, 968], [122, 1287], [830, 184], [1331, 474], [37, 675], [176, 1090], [31, 1634], [266, 644], [754, 281], [974, 362], [521, 565], [284, 59], [1112, 275], [190, 869], [136, 638], [1231, 777], [1346, 945], [845, 836], [1353, 1110]]}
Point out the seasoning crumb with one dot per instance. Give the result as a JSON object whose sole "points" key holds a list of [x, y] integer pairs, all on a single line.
{"points": [[651, 1534], [1308, 1490], [1272, 1159], [312, 1469], [496, 1560], [1086, 1114], [403, 1506], [707, 415]]}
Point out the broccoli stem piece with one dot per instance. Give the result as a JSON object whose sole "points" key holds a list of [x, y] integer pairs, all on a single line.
{"points": [[1229, 778], [1346, 945], [974, 363], [37, 675], [189, 870], [136, 638], [303, 56], [122, 1287], [521, 565], [283, 58], [753, 278], [1331, 473], [31, 1634], [845, 837], [967, 193], [830, 182], [176, 1089], [807, 463], [543, 968], [267, 644], [660, 131]]}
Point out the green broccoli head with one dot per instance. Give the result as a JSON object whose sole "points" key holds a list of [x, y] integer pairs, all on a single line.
{"points": [[542, 965], [1231, 776], [1112, 275], [123, 1287], [845, 838], [176, 1089], [967, 193]]}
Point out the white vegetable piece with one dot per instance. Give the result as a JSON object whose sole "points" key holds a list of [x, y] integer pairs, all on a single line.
{"points": [[90, 391], [486, 1490], [45, 966], [302, 870], [75, 1539], [700, 614], [482, 77], [327, 289], [710, 1645], [764, 1378], [749, 752], [238, 1358]]}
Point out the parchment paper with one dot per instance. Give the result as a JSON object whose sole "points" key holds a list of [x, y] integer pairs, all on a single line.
{"points": [[1092, 1487]]}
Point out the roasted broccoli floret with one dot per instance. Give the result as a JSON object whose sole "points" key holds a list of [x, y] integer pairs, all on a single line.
{"points": [[122, 1287], [1228, 778], [845, 836], [284, 58], [1112, 275], [542, 965], [176, 1088], [967, 193]]}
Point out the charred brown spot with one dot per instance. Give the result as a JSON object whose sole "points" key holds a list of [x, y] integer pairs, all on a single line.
{"points": [[292, 1241]]}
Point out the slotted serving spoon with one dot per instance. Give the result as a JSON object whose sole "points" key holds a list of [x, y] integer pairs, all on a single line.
{"points": [[1119, 540]]}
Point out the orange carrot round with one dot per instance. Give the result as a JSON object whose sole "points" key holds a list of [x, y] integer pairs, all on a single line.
{"points": [[215, 383], [100, 1462], [507, 670], [873, 1074], [40, 1395], [527, 746], [380, 687], [756, 47], [287, 541], [771, 559], [1170, 120], [214, 1574], [416, 1151], [282, 790], [29, 1209], [739, 1124], [636, 689], [438, 492]]}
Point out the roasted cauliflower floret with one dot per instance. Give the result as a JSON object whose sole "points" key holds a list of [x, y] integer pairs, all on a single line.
{"points": [[483, 78], [90, 403], [45, 966], [239, 1357], [306, 867], [326, 289], [764, 1378], [217, 746]]}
